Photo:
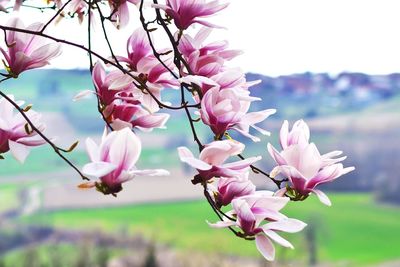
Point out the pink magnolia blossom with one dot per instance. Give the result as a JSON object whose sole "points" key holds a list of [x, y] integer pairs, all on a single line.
{"points": [[144, 64], [130, 115], [113, 161], [302, 163], [120, 11], [228, 109], [188, 45], [211, 161], [78, 8], [188, 12], [230, 188], [300, 134], [27, 51], [123, 105], [109, 85], [258, 216], [13, 134]]}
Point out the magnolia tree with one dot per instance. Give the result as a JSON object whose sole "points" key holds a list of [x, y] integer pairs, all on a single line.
{"points": [[129, 90]]}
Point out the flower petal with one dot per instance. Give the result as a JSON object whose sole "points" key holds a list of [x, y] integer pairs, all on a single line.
{"points": [[265, 246]]}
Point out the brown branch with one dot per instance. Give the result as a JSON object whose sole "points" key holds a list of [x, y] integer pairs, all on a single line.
{"points": [[257, 170], [139, 83], [89, 30]]}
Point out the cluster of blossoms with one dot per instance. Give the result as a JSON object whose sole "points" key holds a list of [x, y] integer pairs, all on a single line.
{"points": [[129, 93]]}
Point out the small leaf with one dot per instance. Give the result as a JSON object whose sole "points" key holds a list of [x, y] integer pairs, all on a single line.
{"points": [[27, 108], [72, 147], [1, 157]]}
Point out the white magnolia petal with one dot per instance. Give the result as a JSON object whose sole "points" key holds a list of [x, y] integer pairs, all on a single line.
{"points": [[265, 246], [19, 151], [322, 197], [98, 169]]}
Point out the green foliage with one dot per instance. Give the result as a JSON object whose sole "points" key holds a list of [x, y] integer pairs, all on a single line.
{"points": [[354, 229]]}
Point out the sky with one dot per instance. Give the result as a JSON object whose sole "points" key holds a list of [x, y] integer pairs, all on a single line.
{"points": [[277, 36]]}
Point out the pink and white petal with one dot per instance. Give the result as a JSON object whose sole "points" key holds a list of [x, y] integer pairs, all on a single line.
{"points": [[186, 156], [217, 152], [241, 164], [83, 94], [152, 172], [283, 134], [265, 246], [259, 116], [245, 217], [120, 124], [322, 197], [120, 82], [208, 24], [221, 224], [261, 130], [93, 150], [278, 239], [328, 174], [332, 154], [288, 225], [98, 169], [276, 155], [19, 151], [124, 147], [246, 133], [296, 178], [150, 121]]}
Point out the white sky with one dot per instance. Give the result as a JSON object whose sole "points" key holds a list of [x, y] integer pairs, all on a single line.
{"points": [[281, 36]]}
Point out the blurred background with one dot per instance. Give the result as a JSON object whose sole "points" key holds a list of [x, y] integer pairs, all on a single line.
{"points": [[347, 88], [160, 221]]}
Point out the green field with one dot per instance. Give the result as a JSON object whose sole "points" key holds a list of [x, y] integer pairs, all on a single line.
{"points": [[354, 229], [8, 197]]}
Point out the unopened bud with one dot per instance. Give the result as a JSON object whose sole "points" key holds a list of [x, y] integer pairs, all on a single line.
{"points": [[72, 147], [28, 128], [27, 108]]}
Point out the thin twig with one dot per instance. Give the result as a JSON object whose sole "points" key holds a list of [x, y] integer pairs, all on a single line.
{"points": [[55, 15], [57, 149], [139, 83]]}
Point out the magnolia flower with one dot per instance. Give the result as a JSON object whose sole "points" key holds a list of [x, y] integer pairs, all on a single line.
{"points": [[262, 207], [205, 60], [300, 134], [113, 161], [188, 12], [129, 115], [78, 8], [120, 11], [13, 131], [211, 161], [27, 51], [230, 188], [108, 86], [123, 105], [227, 109], [144, 64], [302, 163]]}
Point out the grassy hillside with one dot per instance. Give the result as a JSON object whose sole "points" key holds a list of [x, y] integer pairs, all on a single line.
{"points": [[354, 229]]}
